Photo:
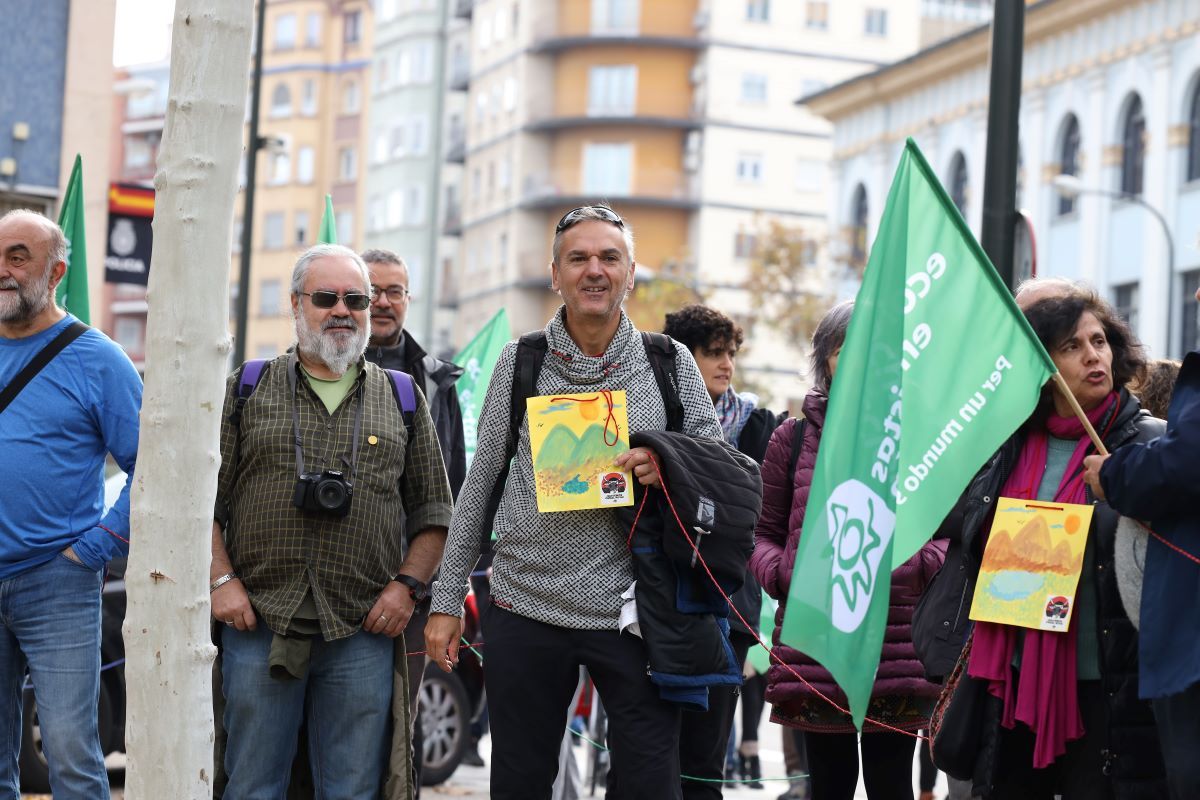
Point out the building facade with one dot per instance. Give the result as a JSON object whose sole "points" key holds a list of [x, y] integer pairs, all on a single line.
{"points": [[1110, 97]]}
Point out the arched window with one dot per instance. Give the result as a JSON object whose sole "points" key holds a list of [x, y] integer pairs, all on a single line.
{"points": [[1133, 147], [1193, 160], [958, 182], [281, 101], [858, 228], [1068, 159]]}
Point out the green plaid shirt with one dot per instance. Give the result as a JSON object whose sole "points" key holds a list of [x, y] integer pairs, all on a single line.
{"points": [[280, 552]]}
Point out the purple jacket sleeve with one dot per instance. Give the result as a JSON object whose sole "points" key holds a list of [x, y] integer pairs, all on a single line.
{"points": [[770, 537]]}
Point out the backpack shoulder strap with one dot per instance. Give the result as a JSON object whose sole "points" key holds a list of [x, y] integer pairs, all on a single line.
{"points": [[797, 446], [40, 360], [661, 351], [248, 380], [406, 398]]}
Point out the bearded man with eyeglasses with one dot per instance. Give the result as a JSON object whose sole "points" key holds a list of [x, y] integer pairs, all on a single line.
{"points": [[311, 596]]}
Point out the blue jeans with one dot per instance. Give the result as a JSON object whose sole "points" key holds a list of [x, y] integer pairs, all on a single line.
{"points": [[51, 622], [346, 697]]}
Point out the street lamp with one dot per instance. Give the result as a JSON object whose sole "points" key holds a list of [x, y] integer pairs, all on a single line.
{"points": [[1071, 187]]}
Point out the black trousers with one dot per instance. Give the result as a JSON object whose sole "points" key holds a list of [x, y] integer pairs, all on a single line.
{"points": [[1078, 774], [1178, 720], [704, 735], [531, 672], [887, 760]]}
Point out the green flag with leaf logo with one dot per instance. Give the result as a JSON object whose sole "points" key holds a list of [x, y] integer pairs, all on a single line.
{"points": [[72, 291], [478, 360], [938, 368], [328, 232]]}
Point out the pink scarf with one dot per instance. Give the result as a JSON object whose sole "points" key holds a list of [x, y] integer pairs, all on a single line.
{"points": [[1045, 698]]}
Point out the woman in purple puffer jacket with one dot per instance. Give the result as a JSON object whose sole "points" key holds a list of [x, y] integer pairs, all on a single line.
{"points": [[901, 697]]}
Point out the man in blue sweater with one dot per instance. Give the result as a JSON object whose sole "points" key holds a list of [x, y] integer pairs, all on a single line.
{"points": [[1159, 481], [54, 539]]}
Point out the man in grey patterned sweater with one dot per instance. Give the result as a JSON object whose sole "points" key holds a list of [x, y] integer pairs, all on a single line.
{"points": [[558, 577]]}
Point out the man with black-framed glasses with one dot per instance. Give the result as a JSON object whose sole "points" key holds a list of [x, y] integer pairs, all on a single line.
{"points": [[393, 347], [331, 515], [558, 578]]}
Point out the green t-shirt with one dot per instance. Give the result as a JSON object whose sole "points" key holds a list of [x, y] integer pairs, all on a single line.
{"points": [[332, 393]]}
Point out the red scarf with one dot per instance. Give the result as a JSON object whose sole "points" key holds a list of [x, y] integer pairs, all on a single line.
{"points": [[1045, 697]]}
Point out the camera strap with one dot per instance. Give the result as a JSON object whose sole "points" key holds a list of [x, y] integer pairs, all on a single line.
{"points": [[299, 441]]}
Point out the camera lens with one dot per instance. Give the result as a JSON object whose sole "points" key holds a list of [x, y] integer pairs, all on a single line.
{"points": [[330, 494]]}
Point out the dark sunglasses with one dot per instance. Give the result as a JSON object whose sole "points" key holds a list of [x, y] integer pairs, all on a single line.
{"points": [[355, 301], [576, 215]]}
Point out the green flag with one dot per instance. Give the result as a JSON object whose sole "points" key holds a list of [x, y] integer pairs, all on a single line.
{"points": [[936, 333], [328, 233], [478, 359], [72, 291], [760, 658]]}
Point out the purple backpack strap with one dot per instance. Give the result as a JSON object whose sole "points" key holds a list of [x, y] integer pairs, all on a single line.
{"points": [[406, 398], [252, 372]]}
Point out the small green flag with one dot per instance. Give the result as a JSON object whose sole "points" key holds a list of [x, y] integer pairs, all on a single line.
{"points": [[935, 333], [72, 291], [328, 234], [478, 360]]}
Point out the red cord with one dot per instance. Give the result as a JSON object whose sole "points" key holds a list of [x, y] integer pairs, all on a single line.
{"points": [[110, 533]]}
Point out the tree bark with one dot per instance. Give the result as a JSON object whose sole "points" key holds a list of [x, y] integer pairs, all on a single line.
{"points": [[169, 652]]}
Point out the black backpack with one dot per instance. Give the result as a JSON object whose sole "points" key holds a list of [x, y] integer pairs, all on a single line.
{"points": [[531, 353]]}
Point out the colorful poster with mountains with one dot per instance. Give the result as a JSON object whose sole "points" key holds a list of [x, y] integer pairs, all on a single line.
{"points": [[1031, 564], [575, 440]]}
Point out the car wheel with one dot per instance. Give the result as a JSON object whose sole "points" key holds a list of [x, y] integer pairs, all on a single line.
{"points": [[35, 772], [445, 720]]}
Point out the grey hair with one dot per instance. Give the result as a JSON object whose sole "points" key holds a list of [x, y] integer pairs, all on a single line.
{"points": [[300, 271], [380, 256], [587, 213], [1031, 290], [827, 338], [57, 244]]}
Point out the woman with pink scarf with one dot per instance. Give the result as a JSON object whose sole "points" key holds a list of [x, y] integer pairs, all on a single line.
{"points": [[1067, 720]]}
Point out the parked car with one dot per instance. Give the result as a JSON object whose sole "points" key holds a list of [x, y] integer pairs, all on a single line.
{"points": [[450, 703]]}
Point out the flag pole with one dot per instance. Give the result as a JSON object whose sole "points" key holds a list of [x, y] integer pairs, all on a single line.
{"points": [[1087, 425]]}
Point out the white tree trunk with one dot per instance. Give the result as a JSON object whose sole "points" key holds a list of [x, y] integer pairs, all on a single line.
{"points": [[168, 671]]}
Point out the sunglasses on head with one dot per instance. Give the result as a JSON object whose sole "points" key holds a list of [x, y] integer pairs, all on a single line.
{"points": [[576, 215], [323, 298]]}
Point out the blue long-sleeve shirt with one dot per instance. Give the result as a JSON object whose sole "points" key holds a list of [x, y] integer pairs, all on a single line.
{"points": [[53, 440]]}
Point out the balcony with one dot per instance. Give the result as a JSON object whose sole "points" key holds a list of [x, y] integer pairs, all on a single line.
{"points": [[658, 188], [549, 119], [456, 144], [552, 36], [452, 222], [464, 8], [459, 75]]}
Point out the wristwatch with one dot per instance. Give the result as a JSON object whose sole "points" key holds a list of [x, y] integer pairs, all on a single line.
{"points": [[417, 588]]}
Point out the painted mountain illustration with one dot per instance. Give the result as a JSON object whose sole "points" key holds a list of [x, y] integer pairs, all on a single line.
{"points": [[564, 450], [1030, 549]]}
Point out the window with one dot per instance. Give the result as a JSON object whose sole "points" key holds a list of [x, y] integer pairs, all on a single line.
{"points": [[875, 23], [505, 177], [395, 208], [491, 178], [414, 205], [345, 227], [811, 86], [612, 91], [1193, 142], [139, 152], [380, 150], [302, 227], [958, 182], [608, 169], [1125, 301], [615, 16], [376, 213], [1068, 160], [281, 101], [510, 93], [270, 296], [347, 164], [312, 30], [281, 167], [351, 99], [422, 62], [308, 98], [418, 140], [305, 159], [500, 28], [754, 88], [285, 31], [1133, 147], [758, 10], [744, 245], [273, 230], [352, 26], [1191, 320], [858, 228], [816, 15], [387, 10], [237, 235], [129, 333], [810, 175], [750, 167]]}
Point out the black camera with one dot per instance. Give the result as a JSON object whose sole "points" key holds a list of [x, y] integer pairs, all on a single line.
{"points": [[326, 492]]}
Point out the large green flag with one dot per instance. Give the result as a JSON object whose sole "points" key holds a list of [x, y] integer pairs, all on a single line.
{"points": [[935, 334], [72, 291], [328, 232], [478, 360]]}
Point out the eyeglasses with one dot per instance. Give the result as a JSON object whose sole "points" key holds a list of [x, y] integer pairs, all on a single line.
{"points": [[575, 215], [394, 293], [355, 301]]}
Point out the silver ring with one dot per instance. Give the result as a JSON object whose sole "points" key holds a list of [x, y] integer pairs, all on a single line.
{"points": [[383, 617], [228, 622]]}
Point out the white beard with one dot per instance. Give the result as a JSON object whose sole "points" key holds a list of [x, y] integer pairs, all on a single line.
{"points": [[336, 351], [28, 302]]}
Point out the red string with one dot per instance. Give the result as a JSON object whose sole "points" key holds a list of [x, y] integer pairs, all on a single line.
{"points": [[751, 628], [611, 418], [110, 533], [427, 653], [1171, 545]]}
